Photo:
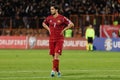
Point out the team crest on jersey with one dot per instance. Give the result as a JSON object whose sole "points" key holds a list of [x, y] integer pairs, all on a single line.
{"points": [[50, 20], [58, 21]]}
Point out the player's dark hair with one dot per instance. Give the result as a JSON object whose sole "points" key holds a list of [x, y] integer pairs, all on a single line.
{"points": [[55, 6], [58, 8]]}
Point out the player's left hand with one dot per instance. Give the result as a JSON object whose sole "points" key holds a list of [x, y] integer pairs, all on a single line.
{"points": [[62, 32]]}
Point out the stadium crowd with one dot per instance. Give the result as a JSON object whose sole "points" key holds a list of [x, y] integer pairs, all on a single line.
{"points": [[21, 10], [40, 8]]}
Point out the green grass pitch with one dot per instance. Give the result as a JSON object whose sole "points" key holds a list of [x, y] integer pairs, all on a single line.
{"points": [[74, 65]]}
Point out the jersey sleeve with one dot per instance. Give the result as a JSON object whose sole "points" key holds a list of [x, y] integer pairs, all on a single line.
{"points": [[66, 21], [46, 21]]}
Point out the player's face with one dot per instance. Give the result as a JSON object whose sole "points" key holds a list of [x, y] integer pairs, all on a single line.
{"points": [[53, 10]]}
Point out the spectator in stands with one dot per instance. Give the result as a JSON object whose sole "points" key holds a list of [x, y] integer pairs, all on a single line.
{"points": [[40, 7], [115, 22], [68, 33], [15, 9]]}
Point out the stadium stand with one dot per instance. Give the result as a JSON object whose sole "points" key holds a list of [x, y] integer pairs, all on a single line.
{"points": [[18, 17]]}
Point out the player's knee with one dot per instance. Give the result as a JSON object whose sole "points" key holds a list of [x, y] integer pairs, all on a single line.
{"points": [[56, 56]]}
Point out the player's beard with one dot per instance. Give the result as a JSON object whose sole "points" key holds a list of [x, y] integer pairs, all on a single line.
{"points": [[53, 13]]}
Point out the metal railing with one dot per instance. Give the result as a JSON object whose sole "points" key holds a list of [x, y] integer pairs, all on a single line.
{"points": [[81, 21], [26, 25]]}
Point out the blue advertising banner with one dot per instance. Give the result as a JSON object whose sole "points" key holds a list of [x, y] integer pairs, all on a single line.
{"points": [[107, 44]]}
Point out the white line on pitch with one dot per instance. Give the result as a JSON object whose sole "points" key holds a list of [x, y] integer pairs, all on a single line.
{"points": [[80, 76], [41, 71]]}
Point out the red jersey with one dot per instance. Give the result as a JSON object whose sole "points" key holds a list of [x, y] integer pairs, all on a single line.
{"points": [[56, 25]]}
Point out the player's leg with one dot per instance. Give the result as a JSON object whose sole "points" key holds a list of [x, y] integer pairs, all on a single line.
{"points": [[58, 52], [52, 52], [88, 46], [91, 47], [91, 44], [56, 63]]}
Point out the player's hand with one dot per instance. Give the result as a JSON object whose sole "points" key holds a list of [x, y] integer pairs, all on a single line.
{"points": [[49, 31], [62, 32]]}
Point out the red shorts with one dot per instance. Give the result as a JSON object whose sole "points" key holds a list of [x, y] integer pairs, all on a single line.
{"points": [[55, 47]]}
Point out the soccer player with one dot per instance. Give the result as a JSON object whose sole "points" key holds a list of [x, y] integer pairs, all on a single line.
{"points": [[90, 35], [56, 24]]}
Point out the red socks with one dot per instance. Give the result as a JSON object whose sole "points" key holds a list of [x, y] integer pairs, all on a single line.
{"points": [[56, 65]]}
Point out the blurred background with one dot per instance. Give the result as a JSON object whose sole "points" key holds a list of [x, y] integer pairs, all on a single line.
{"points": [[23, 17]]}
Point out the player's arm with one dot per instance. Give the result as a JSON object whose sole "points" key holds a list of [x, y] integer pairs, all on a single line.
{"points": [[70, 25], [86, 32], [93, 34], [46, 27]]}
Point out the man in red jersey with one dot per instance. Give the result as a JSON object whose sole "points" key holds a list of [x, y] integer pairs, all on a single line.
{"points": [[56, 24]]}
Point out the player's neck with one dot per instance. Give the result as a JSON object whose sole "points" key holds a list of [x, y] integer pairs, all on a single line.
{"points": [[55, 15]]}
